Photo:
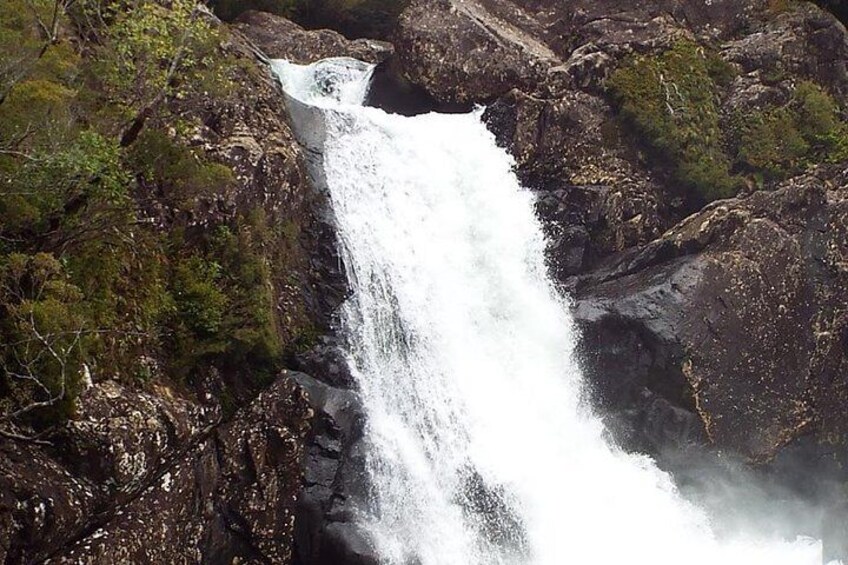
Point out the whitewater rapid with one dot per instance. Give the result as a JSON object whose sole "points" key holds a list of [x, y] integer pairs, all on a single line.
{"points": [[481, 450]]}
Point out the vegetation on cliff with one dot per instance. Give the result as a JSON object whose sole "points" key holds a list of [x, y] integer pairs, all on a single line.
{"points": [[673, 99], [101, 270]]}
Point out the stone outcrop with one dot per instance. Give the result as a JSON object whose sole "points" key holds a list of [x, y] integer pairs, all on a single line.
{"points": [[279, 38], [737, 315], [144, 478]]}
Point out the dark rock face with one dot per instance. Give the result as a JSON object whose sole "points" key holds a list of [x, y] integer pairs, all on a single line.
{"points": [[326, 360], [335, 484], [738, 315]]}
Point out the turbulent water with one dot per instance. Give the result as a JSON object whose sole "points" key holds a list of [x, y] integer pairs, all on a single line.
{"points": [[480, 449]]}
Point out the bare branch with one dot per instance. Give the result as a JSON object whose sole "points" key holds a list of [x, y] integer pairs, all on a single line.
{"points": [[22, 155], [20, 437], [60, 358]]}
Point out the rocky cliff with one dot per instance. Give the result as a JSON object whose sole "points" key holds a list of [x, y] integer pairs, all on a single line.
{"points": [[201, 459]]}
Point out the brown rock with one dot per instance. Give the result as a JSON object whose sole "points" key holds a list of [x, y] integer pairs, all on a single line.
{"points": [[279, 38]]}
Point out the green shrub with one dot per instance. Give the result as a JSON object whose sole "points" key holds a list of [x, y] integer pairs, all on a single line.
{"points": [[671, 99], [226, 300], [784, 140], [45, 338], [86, 268], [175, 171]]}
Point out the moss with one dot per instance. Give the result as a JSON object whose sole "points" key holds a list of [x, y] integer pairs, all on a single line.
{"points": [[226, 285], [771, 144], [672, 100], [783, 140]]}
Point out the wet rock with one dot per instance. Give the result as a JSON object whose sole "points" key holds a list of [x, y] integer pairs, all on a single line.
{"points": [[394, 93], [335, 481], [802, 42], [327, 361], [279, 38], [488, 510], [347, 544]]}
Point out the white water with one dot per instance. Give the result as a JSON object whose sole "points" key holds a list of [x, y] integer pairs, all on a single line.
{"points": [[465, 358]]}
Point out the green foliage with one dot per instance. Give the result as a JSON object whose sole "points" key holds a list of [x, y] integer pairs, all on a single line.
{"points": [[672, 99], [177, 173], [96, 272], [72, 191], [44, 326], [148, 46], [784, 140], [201, 304], [225, 301]]}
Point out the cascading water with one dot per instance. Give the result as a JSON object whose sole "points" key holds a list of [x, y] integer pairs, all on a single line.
{"points": [[480, 449]]}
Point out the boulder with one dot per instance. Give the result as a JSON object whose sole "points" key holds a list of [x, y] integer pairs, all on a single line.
{"points": [[280, 38], [736, 315], [460, 51], [228, 494], [149, 479], [328, 362]]}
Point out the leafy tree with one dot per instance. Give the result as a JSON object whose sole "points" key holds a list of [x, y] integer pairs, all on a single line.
{"points": [[150, 53], [44, 325]]}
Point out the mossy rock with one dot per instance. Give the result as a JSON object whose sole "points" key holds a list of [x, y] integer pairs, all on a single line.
{"points": [[784, 140], [672, 99]]}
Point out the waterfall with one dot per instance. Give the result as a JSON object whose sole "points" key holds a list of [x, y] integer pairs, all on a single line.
{"points": [[481, 448]]}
